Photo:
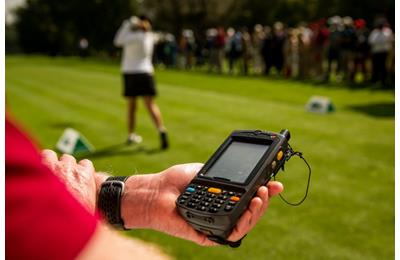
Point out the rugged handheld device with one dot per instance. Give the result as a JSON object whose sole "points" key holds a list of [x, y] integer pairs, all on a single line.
{"points": [[221, 191]]}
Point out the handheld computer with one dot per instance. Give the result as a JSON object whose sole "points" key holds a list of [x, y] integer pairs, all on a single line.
{"points": [[220, 192]]}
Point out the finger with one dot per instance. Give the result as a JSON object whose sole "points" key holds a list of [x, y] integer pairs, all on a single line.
{"points": [[274, 188], [60, 171], [263, 194], [67, 167], [179, 176], [87, 164], [255, 207], [204, 241], [255, 211], [192, 168], [240, 229], [187, 232], [68, 159], [247, 221], [49, 158]]}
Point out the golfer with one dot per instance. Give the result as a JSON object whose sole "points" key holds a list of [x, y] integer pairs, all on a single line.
{"points": [[137, 41]]}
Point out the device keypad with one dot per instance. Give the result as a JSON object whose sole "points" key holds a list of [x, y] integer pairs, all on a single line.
{"points": [[211, 199], [228, 208], [220, 201]]}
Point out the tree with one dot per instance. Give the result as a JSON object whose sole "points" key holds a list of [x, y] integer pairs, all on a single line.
{"points": [[55, 27], [173, 15]]}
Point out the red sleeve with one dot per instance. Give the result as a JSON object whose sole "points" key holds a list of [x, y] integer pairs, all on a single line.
{"points": [[43, 220]]}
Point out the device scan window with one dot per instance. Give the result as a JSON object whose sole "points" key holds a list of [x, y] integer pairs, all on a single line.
{"points": [[237, 161]]}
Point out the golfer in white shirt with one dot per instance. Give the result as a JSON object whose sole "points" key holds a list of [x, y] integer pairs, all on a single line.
{"points": [[137, 41]]}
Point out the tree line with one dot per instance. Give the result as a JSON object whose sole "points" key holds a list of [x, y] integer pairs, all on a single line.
{"points": [[56, 27]]}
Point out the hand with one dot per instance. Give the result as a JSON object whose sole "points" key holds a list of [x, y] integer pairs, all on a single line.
{"points": [[79, 178], [160, 192]]}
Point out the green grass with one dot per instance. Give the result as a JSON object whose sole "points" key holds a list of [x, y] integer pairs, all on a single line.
{"points": [[349, 213]]}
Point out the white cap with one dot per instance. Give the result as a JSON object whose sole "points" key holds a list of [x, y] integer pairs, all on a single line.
{"points": [[135, 21]]}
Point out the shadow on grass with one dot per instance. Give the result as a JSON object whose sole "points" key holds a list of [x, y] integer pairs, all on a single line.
{"points": [[117, 150], [385, 109]]}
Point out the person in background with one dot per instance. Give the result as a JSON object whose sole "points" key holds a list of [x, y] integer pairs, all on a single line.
{"points": [[220, 48], [335, 40], [211, 36], [247, 50], [306, 52], [391, 67], [320, 45], [186, 47], [274, 52], [381, 42], [279, 38], [137, 41], [159, 57], [170, 50], [291, 53], [83, 47], [266, 49], [234, 48], [348, 44], [361, 51], [257, 40], [51, 206], [199, 52]]}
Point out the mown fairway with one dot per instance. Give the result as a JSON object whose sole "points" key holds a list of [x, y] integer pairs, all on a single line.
{"points": [[349, 213]]}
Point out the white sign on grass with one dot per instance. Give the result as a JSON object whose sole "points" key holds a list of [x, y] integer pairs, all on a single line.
{"points": [[320, 104], [72, 142]]}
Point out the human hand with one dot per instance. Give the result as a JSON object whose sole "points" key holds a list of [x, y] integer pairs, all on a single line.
{"points": [[161, 210], [79, 178]]}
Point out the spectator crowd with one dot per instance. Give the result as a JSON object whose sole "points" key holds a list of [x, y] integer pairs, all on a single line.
{"points": [[337, 48]]}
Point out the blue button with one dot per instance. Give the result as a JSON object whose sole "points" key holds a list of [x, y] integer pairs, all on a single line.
{"points": [[190, 189]]}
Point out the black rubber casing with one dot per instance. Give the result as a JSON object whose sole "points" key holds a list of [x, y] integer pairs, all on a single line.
{"points": [[220, 224]]}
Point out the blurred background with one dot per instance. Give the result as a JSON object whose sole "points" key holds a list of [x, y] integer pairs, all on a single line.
{"points": [[221, 66]]}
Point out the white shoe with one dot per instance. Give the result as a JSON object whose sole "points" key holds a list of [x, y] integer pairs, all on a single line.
{"points": [[134, 138]]}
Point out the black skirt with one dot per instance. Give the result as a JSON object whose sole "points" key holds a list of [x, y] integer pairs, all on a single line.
{"points": [[139, 84]]}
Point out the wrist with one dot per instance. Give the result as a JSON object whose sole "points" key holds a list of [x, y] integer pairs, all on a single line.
{"points": [[138, 202]]}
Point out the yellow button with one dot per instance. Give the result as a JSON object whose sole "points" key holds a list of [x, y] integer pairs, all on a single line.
{"points": [[214, 190], [279, 155], [273, 165], [235, 198]]}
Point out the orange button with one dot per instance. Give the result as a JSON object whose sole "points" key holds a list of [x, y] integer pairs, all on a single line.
{"points": [[279, 155], [214, 190], [235, 198]]}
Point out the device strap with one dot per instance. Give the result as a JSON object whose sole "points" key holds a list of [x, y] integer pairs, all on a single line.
{"points": [[290, 154], [222, 241]]}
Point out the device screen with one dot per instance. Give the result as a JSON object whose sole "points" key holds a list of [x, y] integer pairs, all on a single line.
{"points": [[237, 161]]}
